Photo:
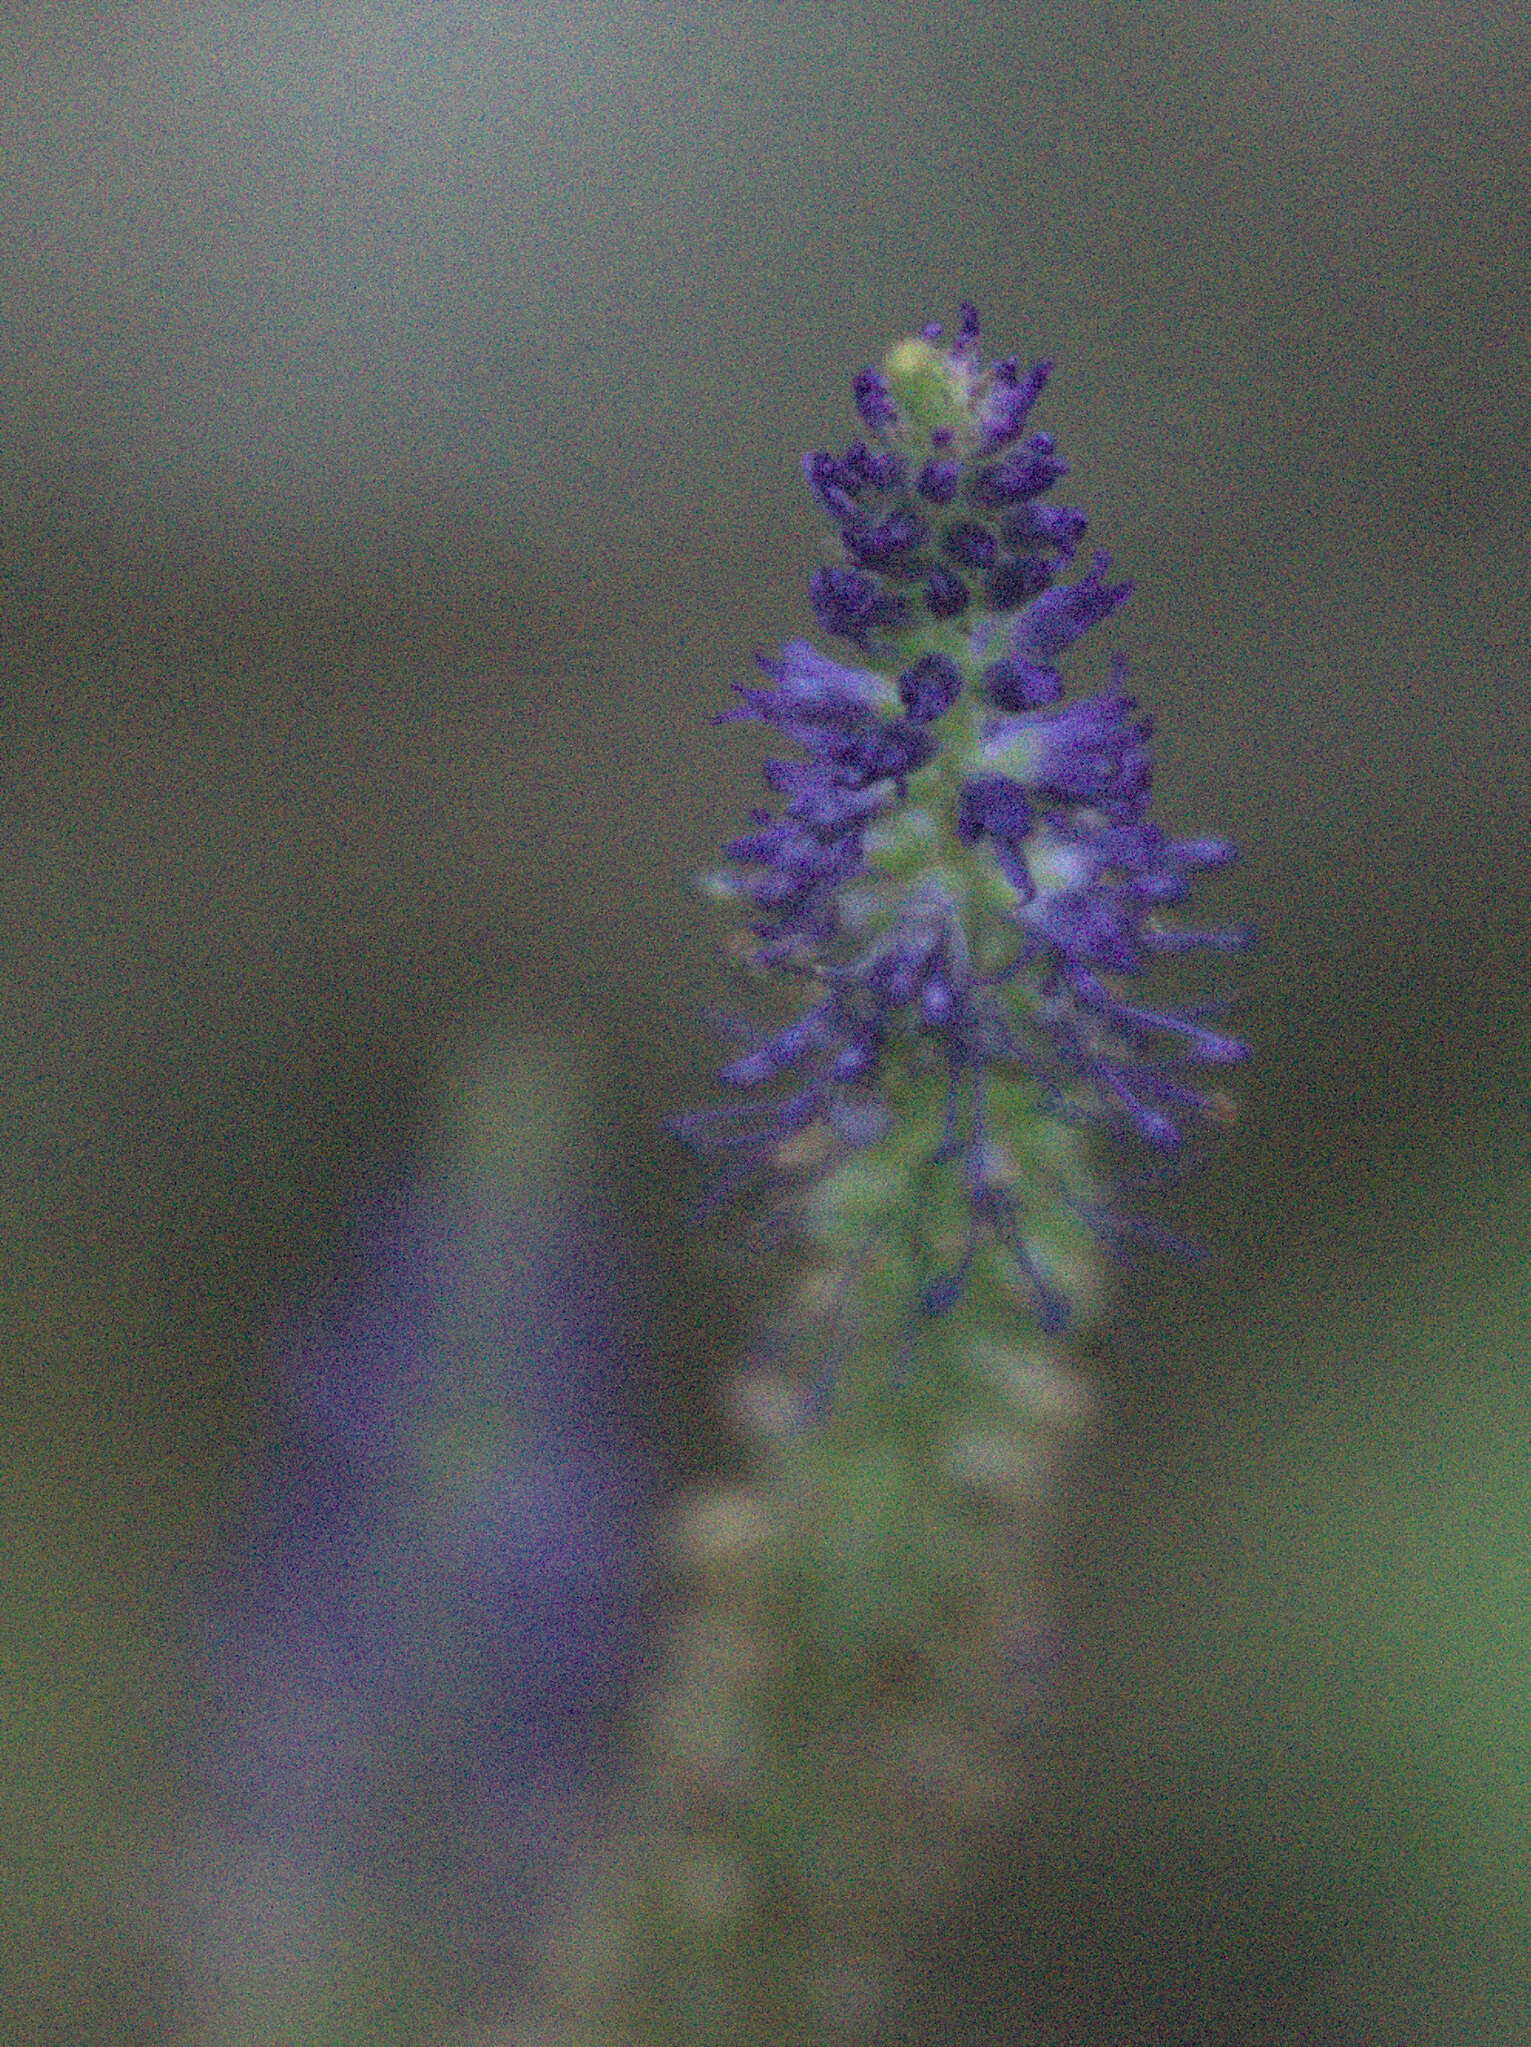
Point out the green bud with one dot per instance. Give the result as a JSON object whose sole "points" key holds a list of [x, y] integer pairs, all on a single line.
{"points": [[926, 388]]}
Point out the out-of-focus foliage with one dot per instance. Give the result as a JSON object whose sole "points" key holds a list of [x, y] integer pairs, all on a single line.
{"points": [[401, 411]]}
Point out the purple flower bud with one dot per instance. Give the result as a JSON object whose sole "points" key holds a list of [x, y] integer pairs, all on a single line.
{"points": [[795, 864], [822, 803], [855, 1062], [911, 954], [874, 402], [1149, 1124], [788, 1048], [937, 482], [944, 1292], [972, 545], [1018, 686], [992, 806], [964, 351], [898, 749], [930, 687], [831, 484], [946, 595], [1049, 626], [851, 605], [1015, 582], [879, 546], [1003, 418], [1203, 852], [937, 1001], [1059, 526], [811, 686], [873, 468], [1215, 1048], [1097, 930], [1016, 477]]}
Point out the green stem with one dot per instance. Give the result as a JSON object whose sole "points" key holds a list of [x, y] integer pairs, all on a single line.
{"points": [[834, 1742]]}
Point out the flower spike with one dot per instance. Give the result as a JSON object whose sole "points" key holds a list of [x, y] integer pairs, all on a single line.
{"points": [[962, 869], [956, 885]]}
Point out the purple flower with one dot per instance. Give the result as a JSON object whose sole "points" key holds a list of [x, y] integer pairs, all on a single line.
{"points": [[437, 1581], [881, 893], [891, 534], [1059, 526], [994, 805], [1004, 414], [945, 594], [884, 545], [851, 605], [971, 545], [833, 483], [930, 687], [1052, 622], [1014, 685], [1094, 753], [1015, 580], [1024, 474], [810, 690], [938, 481], [875, 403]]}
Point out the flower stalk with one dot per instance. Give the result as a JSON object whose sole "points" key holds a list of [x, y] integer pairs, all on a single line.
{"points": [[958, 883]]}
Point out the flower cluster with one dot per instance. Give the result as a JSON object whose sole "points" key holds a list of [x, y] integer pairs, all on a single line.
{"points": [[962, 871]]}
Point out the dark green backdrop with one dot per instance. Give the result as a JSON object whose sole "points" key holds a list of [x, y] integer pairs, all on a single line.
{"points": [[400, 412]]}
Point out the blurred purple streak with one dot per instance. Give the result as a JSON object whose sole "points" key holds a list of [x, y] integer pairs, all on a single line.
{"points": [[429, 1619]]}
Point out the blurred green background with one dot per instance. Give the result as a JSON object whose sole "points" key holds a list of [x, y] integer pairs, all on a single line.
{"points": [[400, 411]]}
